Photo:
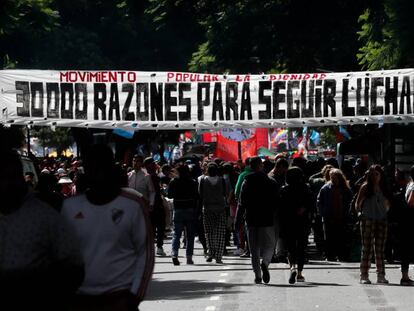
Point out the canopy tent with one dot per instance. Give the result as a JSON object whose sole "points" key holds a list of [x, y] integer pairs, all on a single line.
{"points": [[135, 100]]}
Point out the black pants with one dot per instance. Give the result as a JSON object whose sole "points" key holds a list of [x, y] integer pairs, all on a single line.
{"points": [[200, 232], [406, 232], [297, 240], [158, 225], [335, 245]]}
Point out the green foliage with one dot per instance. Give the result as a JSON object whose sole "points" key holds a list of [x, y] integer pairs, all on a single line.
{"points": [[386, 34], [23, 24], [59, 138], [202, 60], [273, 36], [217, 36], [328, 136]]}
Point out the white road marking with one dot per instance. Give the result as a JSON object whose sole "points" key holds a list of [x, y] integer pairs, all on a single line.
{"points": [[215, 298], [222, 281], [210, 308], [224, 274]]}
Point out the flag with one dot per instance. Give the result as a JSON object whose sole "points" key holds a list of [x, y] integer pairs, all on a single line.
{"points": [[303, 142], [262, 137], [277, 137], [226, 149], [315, 137], [209, 137], [249, 147], [124, 133], [344, 132]]}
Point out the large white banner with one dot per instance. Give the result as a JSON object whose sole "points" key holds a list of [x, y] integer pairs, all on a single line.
{"points": [[172, 100]]}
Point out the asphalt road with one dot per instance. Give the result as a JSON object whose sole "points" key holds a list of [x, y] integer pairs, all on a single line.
{"points": [[230, 287]]}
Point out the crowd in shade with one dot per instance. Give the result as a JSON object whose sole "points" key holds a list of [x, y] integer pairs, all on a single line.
{"points": [[97, 212]]}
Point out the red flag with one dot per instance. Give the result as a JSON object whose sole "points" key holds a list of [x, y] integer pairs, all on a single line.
{"points": [[249, 147], [226, 149], [262, 137], [210, 137]]}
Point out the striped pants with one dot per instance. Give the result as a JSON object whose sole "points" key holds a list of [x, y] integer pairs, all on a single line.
{"points": [[373, 236], [215, 229]]}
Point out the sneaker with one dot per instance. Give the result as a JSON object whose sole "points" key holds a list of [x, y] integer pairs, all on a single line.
{"points": [[209, 259], [407, 282], [190, 261], [175, 261], [258, 280], [265, 273], [237, 252], [382, 280], [292, 278], [160, 251], [300, 278], [365, 280], [245, 255], [219, 261]]}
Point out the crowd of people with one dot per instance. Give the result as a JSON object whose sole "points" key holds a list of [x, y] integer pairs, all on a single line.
{"points": [[267, 208]]}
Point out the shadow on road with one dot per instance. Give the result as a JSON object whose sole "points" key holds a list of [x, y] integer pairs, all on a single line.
{"points": [[188, 289], [306, 284]]}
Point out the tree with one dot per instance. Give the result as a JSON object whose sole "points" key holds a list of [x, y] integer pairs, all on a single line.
{"points": [[386, 35], [60, 138], [275, 35], [23, 26]]}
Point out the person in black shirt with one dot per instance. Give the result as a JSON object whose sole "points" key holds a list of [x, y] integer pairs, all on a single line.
{"points": [[184, 191]]}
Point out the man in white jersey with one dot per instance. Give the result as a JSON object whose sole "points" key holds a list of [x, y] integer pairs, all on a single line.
{"points": [[115, 238]]}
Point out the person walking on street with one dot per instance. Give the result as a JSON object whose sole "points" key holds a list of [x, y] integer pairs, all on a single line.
{"points": [[244, 241], [333, 203], [184, 192], [258, 207], [407, 232], [212, 189], [373, 205], [278, 174], [41, 266], [141, 181], [157, 214], [115, 238], [296, 205]]}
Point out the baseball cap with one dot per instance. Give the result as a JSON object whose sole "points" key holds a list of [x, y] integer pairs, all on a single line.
{"points": [[61, 171]]}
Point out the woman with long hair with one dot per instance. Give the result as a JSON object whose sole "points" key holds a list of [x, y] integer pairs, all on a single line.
{"points": [[333, 204], [212, 189], [373, 205]]}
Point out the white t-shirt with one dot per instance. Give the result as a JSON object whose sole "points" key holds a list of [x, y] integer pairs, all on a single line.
{"points": [[112, 241]]}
